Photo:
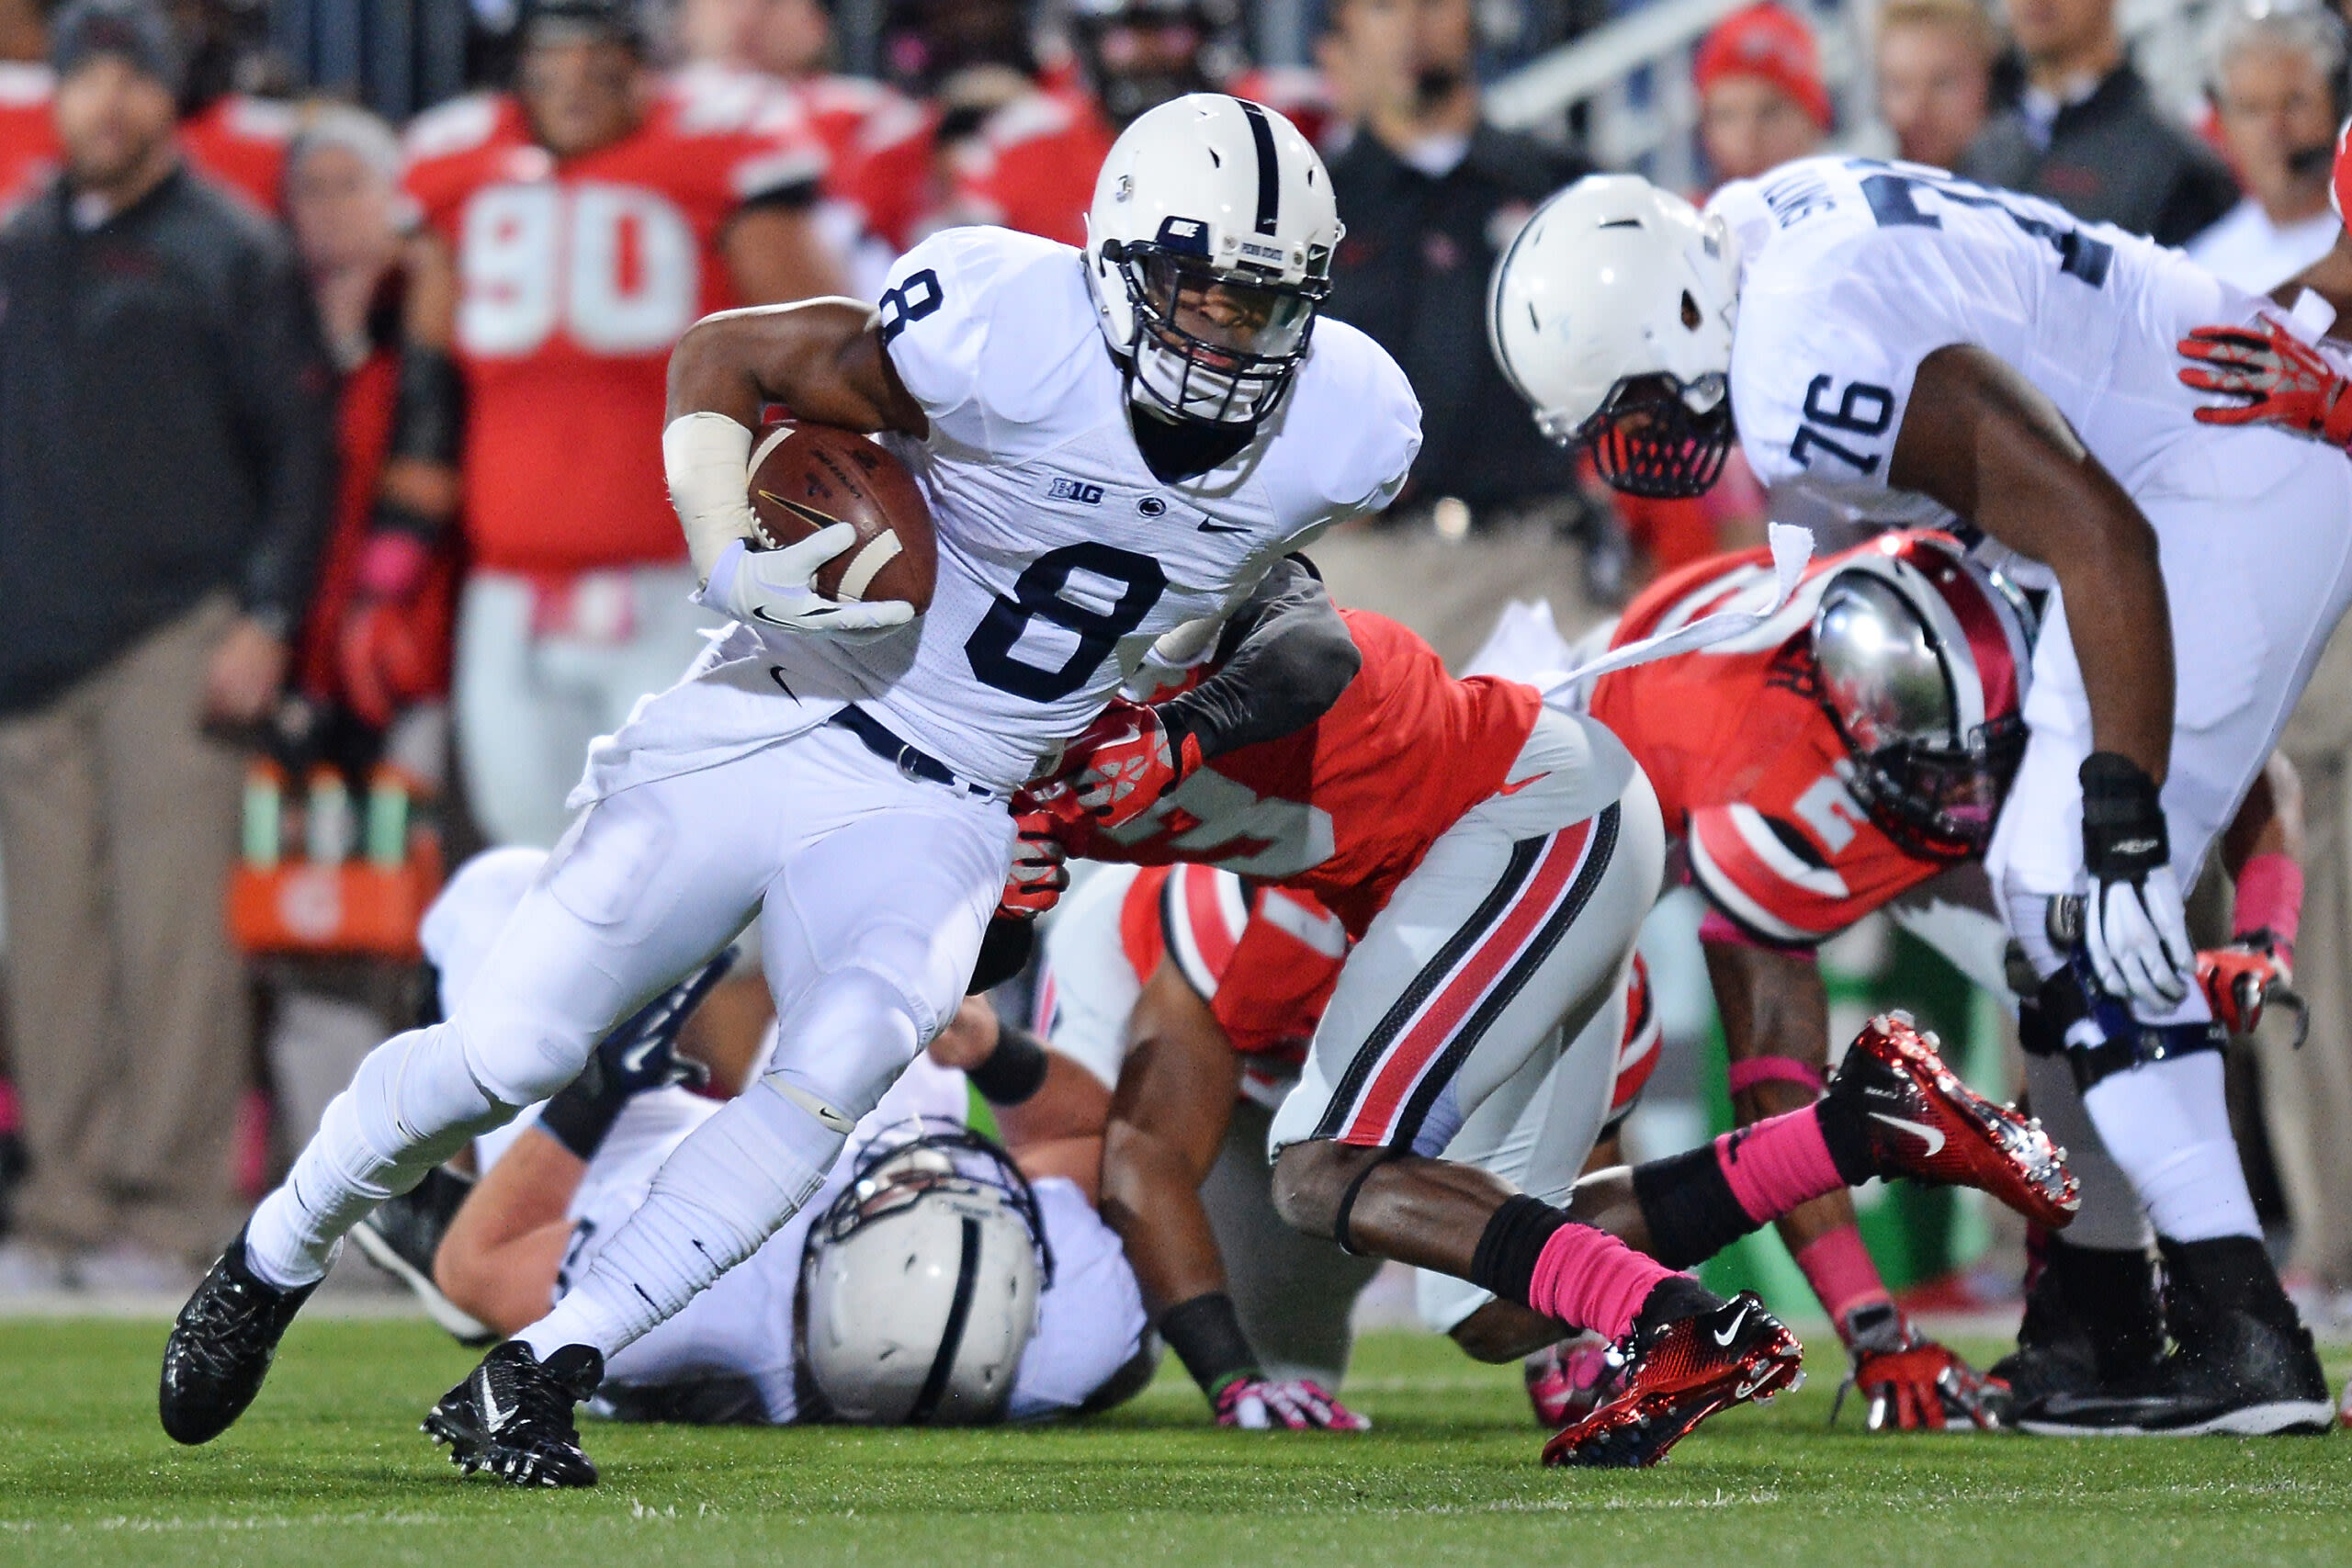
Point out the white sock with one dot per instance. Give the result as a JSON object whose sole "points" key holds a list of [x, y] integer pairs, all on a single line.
{"points": [[2168, 1127], [412, 1105], [721, 1193], [2110, 1217]]}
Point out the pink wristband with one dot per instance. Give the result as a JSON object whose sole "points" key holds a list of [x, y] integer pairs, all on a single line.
{"points": [[2270, 897]]}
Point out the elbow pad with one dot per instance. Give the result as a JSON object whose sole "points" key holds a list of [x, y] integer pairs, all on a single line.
{"points": [[429, 408]]}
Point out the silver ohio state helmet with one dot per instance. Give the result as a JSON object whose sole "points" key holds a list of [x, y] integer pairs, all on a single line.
{"points": [[1922, 655], [918, 1286], [1208, 249], [1612, 314]]}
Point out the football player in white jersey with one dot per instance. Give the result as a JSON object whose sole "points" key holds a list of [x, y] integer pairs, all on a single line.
{"points": [[1050, 1316], [1112, 443], [1891, 343]]}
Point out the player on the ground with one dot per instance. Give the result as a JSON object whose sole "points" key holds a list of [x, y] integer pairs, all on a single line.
{"points": [[1898, 343], [571, 230], [1050, 1316], [845, 775], [1482, 1003]]}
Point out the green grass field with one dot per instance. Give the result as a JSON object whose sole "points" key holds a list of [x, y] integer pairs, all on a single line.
{"points": [[328, 1470]]}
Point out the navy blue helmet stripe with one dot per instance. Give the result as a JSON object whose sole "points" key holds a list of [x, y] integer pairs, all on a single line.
{"points": [[1270, 173]]}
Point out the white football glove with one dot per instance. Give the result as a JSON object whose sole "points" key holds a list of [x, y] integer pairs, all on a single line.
{"points": [[2137, 934], [774, 588], [2133, 926]]}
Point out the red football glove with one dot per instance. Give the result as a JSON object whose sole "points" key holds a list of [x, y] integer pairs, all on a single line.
{"points": [[1040, 875], [1909, 1382], [1569, 1381], [1300, 1405], [2280, 378], [2238, 980], [1124, 761]]}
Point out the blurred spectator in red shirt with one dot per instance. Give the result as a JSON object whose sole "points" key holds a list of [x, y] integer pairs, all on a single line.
{"points": [[1762, 100], [1935, 76], [576, 228]]}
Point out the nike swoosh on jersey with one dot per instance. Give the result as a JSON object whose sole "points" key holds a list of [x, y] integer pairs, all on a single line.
{"points": [[1728, 1334], [1211, 525], [1531, 778], [776, 674], [1934, 1139]]}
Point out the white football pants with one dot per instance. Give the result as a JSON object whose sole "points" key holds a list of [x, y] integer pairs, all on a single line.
{"points": [[873, 890]]}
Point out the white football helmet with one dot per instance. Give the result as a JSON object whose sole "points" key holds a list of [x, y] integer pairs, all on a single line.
{"points": [[1209, 248], [1612, 314], [1923, 655], [918, 1286]]}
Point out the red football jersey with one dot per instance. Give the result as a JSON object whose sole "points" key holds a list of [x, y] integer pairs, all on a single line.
{"points": [[1346, 807], [576, 278], [1263, 958], [29, 151], [240, 141], [878, 147], [1746, 762], [1032, 167]]}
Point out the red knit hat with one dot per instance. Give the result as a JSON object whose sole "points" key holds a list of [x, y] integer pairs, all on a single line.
{"points": [[1767, 41]]}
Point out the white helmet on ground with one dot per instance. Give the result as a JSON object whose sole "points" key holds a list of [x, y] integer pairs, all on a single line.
{"points": [[1612, 314], [1209, 248], [1923, 655], [918, 1286]]}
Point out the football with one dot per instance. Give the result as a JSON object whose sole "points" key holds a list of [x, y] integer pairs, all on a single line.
{"points": [[807, 476]]}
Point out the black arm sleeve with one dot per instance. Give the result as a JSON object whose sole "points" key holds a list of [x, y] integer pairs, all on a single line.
{"points": [[285, 391], [1286, 656]]}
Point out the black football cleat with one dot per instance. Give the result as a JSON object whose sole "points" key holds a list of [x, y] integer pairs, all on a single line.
{"points": [[1677, 1370], [222, 1346], [512, 1415], [2092, 1319], [2242, 1361], [400, 1234], [1925, 1123]]}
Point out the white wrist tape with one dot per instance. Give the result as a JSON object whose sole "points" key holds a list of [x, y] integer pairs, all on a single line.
{"points": [[708, 458]]}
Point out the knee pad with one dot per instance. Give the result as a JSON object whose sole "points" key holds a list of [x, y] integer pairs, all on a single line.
{"points": [[2098, 1034], [513, 1057], [847, 1038], [417, 1101]]}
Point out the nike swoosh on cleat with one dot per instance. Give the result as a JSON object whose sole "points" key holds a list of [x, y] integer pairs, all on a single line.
{"points": [[1728, 1334], [1935, 1140], [494, 1419]]}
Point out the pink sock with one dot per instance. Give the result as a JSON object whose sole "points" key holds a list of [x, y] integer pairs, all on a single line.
{"points": [[1590, 1279], [1839, 1268], [1778, 1163]]}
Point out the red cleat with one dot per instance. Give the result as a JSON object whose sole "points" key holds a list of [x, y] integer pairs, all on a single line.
{"points": [[1925, 1123], [1678, 1375]]}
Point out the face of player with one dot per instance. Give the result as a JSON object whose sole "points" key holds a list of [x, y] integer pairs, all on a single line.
{"points": [[2275, 104], [342, 211], [787, 37], [580, 92], [1748, 126], [113, 120], [1223, 315], [1933, 89]]}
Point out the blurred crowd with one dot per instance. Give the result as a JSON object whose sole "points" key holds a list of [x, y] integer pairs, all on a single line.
{"points": [[332, 519]]}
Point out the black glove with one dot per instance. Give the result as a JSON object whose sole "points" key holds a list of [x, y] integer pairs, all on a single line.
{"points": [[2134, 924]]}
